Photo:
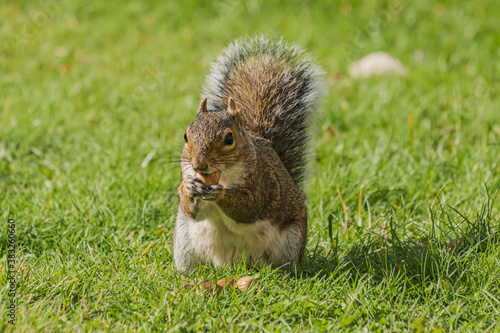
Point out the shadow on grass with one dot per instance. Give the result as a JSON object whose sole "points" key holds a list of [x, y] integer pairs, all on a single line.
{"points": [[441, 255]]}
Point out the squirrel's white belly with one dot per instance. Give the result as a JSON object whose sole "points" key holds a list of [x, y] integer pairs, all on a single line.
{"points": [[220, 240]]}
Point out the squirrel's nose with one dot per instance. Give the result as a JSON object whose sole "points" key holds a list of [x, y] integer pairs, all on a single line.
{"points": [[200, 165]]}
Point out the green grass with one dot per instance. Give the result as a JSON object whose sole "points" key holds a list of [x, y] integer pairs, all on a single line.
{"points": [[89, 89]]}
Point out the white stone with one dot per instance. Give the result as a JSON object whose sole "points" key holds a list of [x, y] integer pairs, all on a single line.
{"points": [[378, 63]]}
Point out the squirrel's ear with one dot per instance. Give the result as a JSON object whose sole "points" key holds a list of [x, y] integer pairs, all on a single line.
{"points": [[203, 106], [231, 107]]}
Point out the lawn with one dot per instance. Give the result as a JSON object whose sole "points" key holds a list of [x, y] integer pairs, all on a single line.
{"points": [[403, 192]]}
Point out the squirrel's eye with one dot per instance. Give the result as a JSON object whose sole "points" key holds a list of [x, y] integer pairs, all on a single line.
{"points": [[228, 141], [185, 137]]}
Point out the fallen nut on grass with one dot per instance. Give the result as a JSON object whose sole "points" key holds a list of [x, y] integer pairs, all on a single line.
{"points": [[246, 282], [209, 287], [227, 283], [187, 285], [190, 285], [209, 179]]}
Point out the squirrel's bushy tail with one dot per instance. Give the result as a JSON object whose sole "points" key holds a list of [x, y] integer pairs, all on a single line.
{"points": [[275, 86]]}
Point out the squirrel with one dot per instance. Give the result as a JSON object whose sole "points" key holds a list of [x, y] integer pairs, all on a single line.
{"points": [[244, 159]]}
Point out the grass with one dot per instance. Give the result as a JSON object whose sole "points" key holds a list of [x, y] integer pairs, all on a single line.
{"points": [[89, 90]]}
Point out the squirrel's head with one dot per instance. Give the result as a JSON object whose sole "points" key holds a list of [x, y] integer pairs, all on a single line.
{"points": [[215, 140]]}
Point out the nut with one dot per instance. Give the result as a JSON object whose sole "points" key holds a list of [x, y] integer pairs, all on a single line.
{"points": [[209, 179], [205, 285], [187, 285], [226, 283], [209, 287], [246, 282]]}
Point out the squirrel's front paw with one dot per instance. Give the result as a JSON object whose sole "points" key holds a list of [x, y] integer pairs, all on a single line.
{"points": [[195, 188], [212, 193]]}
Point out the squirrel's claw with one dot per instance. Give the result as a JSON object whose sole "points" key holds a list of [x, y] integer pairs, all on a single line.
{"points": [[192, 185], [212, 193], [195, 188]]}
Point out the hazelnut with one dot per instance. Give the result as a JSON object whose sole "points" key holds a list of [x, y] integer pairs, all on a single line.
{"points": [[187, 285], [209, 287], [246, 282], [227, 283], [209, 179]]}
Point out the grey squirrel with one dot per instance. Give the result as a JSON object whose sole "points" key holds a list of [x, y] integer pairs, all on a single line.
{"points": [[244, 159]]}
